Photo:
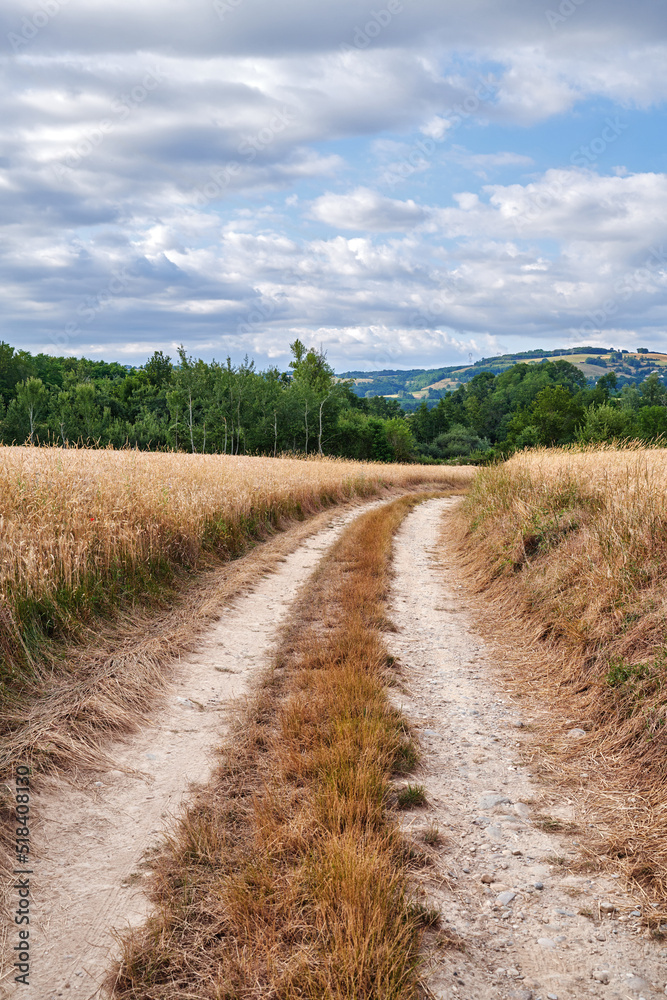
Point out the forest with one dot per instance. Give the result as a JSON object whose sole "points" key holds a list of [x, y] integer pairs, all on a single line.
{"points": [[186, 404]]}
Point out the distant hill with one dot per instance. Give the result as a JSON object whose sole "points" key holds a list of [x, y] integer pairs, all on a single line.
{"points": [[418, 383]]}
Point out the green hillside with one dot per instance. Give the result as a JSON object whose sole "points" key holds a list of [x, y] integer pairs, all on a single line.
{"points": [[416, 384]]}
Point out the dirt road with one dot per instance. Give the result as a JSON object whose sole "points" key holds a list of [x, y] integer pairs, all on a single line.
{"points": [[92, 834], [530, 929]]}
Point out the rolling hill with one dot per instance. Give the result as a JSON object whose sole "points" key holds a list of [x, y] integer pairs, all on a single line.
{"points": [[418, 383]]}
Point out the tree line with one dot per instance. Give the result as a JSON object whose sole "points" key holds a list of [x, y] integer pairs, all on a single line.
{"points": [[187, 404], [191, 405], [547, 403]]}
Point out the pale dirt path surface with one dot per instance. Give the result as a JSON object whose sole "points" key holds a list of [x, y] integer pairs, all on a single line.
{"points": [[90, 835], [525, 937]]}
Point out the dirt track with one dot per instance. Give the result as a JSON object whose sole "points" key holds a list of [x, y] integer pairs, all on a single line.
{"points": [[92, 833], [522, 941]]}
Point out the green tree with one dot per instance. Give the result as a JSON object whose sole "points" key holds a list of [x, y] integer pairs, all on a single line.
{"points": [[651, 422], [191, 382], [314, 384], [312, 368], [32, 398], [159, 369], [604, 387], [605, 423], [175, 405], [652, 391], [400, 438], [556, 414], [14, 368], [85, 407], [458, 442]]}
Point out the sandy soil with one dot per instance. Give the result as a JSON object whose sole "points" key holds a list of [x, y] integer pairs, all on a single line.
{"points": [[92, 832], [531, 928]]}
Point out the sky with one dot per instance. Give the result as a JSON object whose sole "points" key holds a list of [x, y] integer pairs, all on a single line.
{"points": [[406, 183]]}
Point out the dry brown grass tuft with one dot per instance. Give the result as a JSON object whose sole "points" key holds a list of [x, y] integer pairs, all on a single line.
{"points": [[569, 548], [288, 878]]}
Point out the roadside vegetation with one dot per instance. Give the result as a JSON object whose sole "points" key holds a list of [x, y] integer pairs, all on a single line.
{"points": [[289, 877], [569, 547], [90, 538]]}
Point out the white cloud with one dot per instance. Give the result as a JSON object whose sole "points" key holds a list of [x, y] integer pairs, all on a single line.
{"points": [[367, 210], [423, 296], [437, 127], [135, 202], [483, 163]]}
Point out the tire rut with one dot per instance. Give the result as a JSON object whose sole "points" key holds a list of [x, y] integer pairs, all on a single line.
{"points": [[93, 830], [532, 930]]}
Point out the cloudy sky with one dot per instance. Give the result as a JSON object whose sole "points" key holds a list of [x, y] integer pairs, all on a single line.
{"points": [[406, 183]]}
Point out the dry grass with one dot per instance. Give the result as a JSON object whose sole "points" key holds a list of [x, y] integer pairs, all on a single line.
{"points": [[78, 521], [87, 534], [116, 677], [288, 879], [569, 548]]}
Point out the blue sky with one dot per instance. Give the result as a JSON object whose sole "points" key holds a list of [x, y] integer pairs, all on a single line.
{"points": [[404, 182]]}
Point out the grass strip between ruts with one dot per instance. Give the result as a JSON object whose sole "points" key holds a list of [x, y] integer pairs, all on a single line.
{"points": [[288, 877]]}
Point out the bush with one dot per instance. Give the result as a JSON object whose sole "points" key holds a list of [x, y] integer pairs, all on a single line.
{"points": [[458, 442], [606, 422]]}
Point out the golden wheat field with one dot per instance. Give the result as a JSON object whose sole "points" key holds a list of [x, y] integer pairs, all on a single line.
{"points": [[96, 549], [68, 516], [589, 527]]}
